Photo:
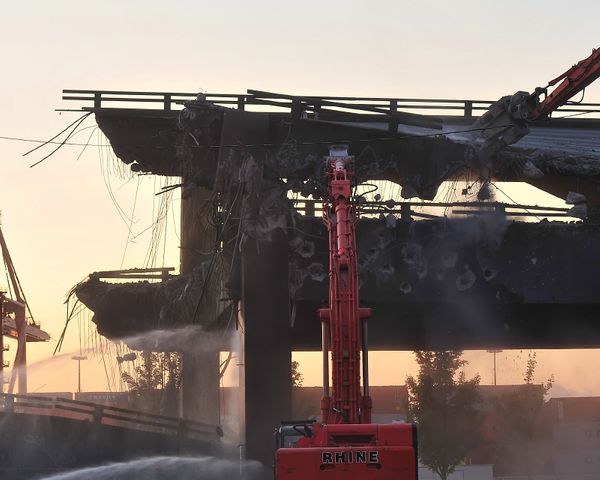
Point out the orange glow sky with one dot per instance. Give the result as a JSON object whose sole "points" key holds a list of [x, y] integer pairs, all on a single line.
{"points": [[59, 219]]}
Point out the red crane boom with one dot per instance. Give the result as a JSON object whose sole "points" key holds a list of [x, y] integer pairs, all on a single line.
{"points": [[574, 81], [344, 322], [344, 445]]}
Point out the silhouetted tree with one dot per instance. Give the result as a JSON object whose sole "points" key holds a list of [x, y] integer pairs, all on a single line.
{"points": [[442, 404], [522, 430], [154, 383], [297, 377]]}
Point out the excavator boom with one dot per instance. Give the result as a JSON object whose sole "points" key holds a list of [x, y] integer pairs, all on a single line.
{"points": [[344, 322], [344, 444], [574, 81], [508, 119]]}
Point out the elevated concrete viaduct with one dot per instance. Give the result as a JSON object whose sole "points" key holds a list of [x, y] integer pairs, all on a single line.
{"points": [[477, 281]]}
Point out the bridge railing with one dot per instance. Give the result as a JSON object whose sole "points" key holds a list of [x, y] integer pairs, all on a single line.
{"points": [[266, 101], [407, 209], [108, 415]]}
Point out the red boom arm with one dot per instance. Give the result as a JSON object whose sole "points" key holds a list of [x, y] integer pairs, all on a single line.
{"points": [[344, 322], [574, 80], [345, 444]]}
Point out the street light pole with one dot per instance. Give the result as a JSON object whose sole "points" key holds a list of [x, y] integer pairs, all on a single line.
{"points": [[494, 352], [79, 358]]}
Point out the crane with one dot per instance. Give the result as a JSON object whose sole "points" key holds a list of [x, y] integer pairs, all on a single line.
{"points": [[344, 444], [16, 325]]}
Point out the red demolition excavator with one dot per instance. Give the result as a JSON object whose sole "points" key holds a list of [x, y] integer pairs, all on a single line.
{"points": [[344, 444]]}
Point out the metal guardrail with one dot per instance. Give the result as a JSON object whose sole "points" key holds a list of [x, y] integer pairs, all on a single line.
{"points": [[406, 210], [108, 415], [258, 100]]}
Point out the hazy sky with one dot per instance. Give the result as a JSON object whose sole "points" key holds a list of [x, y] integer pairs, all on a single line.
{"points": [[59, 218]]}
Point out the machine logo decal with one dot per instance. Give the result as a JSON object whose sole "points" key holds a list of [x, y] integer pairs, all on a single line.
{"points": [[350, 456]]}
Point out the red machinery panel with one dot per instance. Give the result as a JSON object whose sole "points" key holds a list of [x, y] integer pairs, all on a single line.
{"points": [[346, 451]]}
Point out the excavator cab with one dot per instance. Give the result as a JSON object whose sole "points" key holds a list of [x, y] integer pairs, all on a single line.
{"points": [[289, 433]]}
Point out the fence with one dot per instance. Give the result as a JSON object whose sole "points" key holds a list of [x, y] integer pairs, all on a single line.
{"points": [[107, 415], [397, 108]]}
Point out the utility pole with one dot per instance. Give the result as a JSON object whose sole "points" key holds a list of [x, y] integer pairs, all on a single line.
{"points": [[494, 352]]}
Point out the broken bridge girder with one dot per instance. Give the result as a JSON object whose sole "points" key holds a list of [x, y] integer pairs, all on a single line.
{"points": [[302, 105], [201, 135], [159, 273], [288, 147], [125, 309]]}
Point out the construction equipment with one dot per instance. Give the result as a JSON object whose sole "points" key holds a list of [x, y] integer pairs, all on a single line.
{"points": [[16, 325], [344, 444], [508, 119]]}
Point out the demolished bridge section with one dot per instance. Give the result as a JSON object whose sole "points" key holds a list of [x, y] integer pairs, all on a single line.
{"points": [[558, 155], [482, 282], [238, 167], [434, 284]]}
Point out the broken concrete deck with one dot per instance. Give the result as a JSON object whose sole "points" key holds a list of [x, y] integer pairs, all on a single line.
{"points": [[531, 275], [433, 284]]}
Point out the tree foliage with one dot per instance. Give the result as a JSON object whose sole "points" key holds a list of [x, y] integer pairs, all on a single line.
{"points": [[297, 377], [522, 429], [442, 404], [154, 383]]}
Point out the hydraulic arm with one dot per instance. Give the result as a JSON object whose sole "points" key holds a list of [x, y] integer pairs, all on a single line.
{"points": [[344, 445], [574, 81], [507, 120], [344, 323]]}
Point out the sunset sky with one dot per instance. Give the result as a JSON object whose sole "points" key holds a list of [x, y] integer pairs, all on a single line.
{"points": [[68, 216]]}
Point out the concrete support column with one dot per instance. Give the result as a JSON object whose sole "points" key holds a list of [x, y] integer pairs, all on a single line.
{"points": [[267, 344], [200, 385]]}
